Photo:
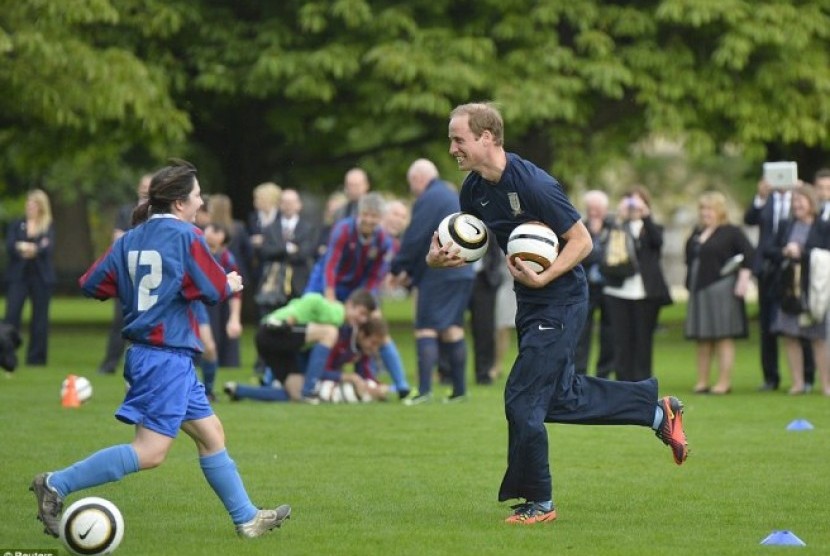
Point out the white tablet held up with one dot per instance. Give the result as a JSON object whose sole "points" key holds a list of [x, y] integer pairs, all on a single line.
{"points": [[781, 175]]}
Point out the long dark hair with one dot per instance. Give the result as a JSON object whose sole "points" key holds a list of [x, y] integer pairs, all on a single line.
{"points": [[172, 183]]}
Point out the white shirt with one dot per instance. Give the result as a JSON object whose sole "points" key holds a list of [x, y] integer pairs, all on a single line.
{"points": [[780, 208], [288, 225]]}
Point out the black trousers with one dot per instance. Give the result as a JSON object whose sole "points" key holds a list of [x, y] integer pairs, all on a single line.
{"points": [[115, 342], [40, 295], [633, 322], [582, 354], [483, 326]]}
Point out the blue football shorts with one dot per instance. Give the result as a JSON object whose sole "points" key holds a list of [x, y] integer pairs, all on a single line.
{"points": [[163, 390], [442, 303]]}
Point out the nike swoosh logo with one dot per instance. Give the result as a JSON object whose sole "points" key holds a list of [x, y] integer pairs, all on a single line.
{"points": [[546, 327], [82, 536], [485, 203]]}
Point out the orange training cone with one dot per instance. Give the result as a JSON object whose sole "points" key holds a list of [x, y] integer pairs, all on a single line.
{"points": [[70, 393]]}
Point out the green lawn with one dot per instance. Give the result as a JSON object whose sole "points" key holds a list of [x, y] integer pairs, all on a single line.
{"points": [[389, 479]]}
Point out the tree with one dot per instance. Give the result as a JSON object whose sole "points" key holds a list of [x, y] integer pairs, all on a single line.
{"points": [[300, 91]]}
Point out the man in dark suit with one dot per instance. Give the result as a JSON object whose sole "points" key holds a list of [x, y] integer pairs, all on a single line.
{"points": [[768, 209], [290, 241]]}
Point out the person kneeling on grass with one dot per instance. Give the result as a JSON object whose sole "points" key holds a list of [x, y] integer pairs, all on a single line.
{"points": [[307, 329], [356, 345]]}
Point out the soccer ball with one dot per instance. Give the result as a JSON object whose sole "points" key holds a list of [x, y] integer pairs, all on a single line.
{"points": [[92, 525], [83, 388], [337, 392], [535, 244], [467, 232]]}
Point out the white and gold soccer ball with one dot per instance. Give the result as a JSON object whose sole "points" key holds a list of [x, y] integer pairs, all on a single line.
{"points": [[467, 232], [92, 525], [535, 244]]}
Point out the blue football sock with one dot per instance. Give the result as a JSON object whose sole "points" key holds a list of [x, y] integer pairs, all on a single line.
{"points": [[267, 376], [209, 369], [427, 360], [658, 417], [393, 363], [315, 367], [104, 466], [457, 357], [223, 477]]}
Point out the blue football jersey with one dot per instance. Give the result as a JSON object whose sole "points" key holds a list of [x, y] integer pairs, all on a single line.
{"points": [[526, 193], [156, 270]]}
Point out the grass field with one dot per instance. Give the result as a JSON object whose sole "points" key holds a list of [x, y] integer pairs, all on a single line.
{"points": [[388, 479]]}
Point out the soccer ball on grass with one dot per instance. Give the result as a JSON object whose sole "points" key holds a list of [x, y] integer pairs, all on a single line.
{"points": [[92, 525]]}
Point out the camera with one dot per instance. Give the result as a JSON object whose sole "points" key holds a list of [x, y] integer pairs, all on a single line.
{"points": [[781, 175]]}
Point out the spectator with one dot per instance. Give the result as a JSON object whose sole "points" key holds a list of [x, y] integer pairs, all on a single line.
{"points": [[334, 203], [769, 208], [598, 223], [287, 252], [488, 277], [443, 296], [634, 303], [123, 222], [822, 185], [30, 242], [235, 249], [505, 190], [790, 250], [719, 267], [395, 220], [505, 320], [220, 210], [168, 267], [266, 206], [221, 323], [355, 185]]}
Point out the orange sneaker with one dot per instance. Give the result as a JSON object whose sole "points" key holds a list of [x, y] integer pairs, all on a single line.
{"points": [[671, 429], [530, 513]]}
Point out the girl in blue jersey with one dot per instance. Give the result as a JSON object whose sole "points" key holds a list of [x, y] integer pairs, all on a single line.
{"points": [[157, 270], [504, 191]]}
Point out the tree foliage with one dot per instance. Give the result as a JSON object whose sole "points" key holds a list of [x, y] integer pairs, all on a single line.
{"points": [[300, 91]]}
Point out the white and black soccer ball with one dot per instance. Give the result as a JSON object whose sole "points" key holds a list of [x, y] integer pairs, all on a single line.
{"points": [[535, 244], [83, 388], [92, 526], [467, 232]]}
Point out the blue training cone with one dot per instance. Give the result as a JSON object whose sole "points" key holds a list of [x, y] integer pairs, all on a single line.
{"points": [[783, 538], [800, 425]]}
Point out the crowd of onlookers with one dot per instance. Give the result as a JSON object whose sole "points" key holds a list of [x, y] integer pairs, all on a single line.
{"points": [[318, 286]]}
